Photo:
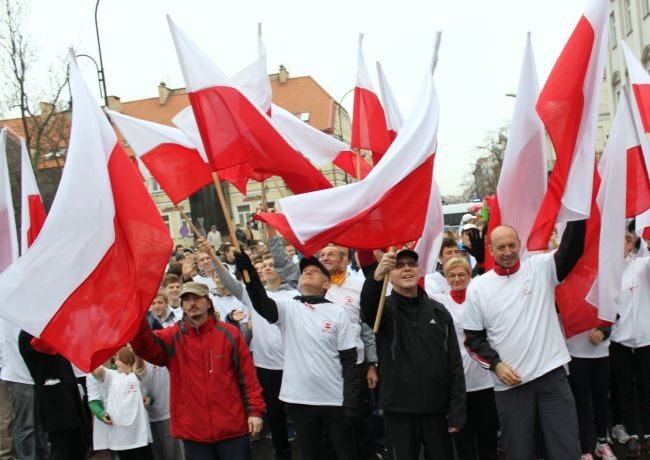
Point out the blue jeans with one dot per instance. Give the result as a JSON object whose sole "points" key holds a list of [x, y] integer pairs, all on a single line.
{"points": [[228, 449], [29, 439]]}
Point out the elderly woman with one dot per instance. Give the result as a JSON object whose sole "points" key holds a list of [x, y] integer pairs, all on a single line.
{"points": [[478, 439]]}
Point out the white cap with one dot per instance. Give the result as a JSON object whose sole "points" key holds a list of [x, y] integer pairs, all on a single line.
{"points": [[466, 217]]}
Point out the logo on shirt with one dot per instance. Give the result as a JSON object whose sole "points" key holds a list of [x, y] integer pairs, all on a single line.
{"points": [[433, 321], [527, 290], [131, 388], [348, 300], [327, 326]]}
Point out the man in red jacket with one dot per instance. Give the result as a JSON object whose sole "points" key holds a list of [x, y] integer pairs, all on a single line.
{"points": [[215, 398]]}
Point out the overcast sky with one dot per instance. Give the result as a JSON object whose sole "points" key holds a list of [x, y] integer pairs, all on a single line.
{"points": [[481, 50]]}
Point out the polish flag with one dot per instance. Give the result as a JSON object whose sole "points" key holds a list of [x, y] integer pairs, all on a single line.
{"points": [[234, 130], [369, 130], [428, 246], [384, 209], [623, 143], [640, 81], [101, 254], [32, 212], [8, 234], [319, 147], [522, 182], [237, 175], [394, 119], [169, 155], [568, 106]]}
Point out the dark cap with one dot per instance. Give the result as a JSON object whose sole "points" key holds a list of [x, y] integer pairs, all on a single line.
{"points": [[407, 253], [195, 288], [307, 261]]}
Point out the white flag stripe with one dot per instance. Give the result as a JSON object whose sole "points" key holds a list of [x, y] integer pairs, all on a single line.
{"points": [[363, 77], [611, 202], [522, 182], [428, 247], [394, 118], [8, 233]]}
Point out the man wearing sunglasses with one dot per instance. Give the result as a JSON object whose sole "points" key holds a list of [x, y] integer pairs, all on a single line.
{"points": [[420, 367]]}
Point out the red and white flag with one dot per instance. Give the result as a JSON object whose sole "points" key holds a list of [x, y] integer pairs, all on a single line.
{"points": [[394, 119], [623, 143], [32, 212], [235, 131], [8, 235], [568, 105], [369, 130], [101, 254], [522, 182], [385, 208], [640, 81], [169, 155], [428, 246]]}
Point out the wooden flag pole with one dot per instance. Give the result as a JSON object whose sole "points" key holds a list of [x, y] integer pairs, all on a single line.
{"points": [[265, 208], [187, 220], [226, 215], [358, 164], [382, 300], [277, 185]]}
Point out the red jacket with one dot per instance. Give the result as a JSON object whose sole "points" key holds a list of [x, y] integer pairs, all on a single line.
{"points": [[213, 384]]}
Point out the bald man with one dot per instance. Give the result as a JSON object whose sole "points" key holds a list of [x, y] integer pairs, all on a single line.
{"points": [[512, 328]]}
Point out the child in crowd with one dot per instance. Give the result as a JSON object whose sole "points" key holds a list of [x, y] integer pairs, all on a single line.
{"points": [[123, 409], [172, 285], [160, 314]]}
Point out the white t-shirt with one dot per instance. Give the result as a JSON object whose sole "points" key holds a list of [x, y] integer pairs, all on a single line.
{"points": [[348, 294], [13, 365], [518, 313], [632, 328], [436, 283], [156, 384], [177, 311], [476, 377], [313, 335], [124, 403], [225, 304], [266, 344], [580, 346]]}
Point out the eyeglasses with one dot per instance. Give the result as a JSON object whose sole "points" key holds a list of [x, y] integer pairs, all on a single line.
{"points": [[406, 263]]}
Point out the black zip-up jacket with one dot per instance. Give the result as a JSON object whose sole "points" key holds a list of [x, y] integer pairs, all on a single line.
{"points": [[420, 367]]}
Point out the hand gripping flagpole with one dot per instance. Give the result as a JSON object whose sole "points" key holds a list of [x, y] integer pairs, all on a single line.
{"points": [[226, 215]]}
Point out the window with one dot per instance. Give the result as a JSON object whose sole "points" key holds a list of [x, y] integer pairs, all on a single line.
{"points": [[153, 185], [304, 116], [628, 17], [165, 219], [645, 5], [645, 58], [612, 29], [616, 87], [243, 211], [54, 154]]}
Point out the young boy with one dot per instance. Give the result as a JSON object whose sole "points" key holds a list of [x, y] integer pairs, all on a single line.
{"points": [[172, 286]]}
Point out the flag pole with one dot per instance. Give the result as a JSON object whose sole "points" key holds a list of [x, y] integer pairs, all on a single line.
{"points": [[226, 215], [187, 220], [278, 186], [382, 300], [265, 208]]}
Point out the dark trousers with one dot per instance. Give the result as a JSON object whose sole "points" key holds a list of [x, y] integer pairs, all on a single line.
{"points": [[68, 444], [139, 453], [312, 421], [271, 381], [631, 369], [549, 395], [229, 449], [589, 379], [407, 434], [478, 438]]}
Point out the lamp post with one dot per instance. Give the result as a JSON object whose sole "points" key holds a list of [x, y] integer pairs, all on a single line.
{"points": [[100, 70]]}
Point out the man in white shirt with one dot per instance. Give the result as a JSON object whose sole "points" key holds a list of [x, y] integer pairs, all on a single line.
{"points": [[319, 382], [214, 237], [511, 327]]}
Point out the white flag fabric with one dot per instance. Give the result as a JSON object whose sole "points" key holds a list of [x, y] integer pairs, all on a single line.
{"points": [[32, 211], [8, 234]]}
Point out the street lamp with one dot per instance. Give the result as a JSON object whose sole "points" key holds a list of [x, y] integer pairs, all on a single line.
{"points": [[100, 70]]}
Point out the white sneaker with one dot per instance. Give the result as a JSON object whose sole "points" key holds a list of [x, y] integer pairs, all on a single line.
{"points": [[620, 434], [604, 451]]}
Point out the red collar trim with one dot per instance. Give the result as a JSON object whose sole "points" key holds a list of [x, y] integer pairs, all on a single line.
{"points": [[458, 296], [507, 271]]}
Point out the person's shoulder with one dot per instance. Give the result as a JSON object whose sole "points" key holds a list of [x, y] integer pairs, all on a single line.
{"points": [[354, 282]]}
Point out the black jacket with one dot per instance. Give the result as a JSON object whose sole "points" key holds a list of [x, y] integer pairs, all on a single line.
{"points": [[420, 367], [58, 403]]}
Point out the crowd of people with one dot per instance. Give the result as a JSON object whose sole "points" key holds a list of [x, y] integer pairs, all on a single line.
{"points": [[464, 363]]}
